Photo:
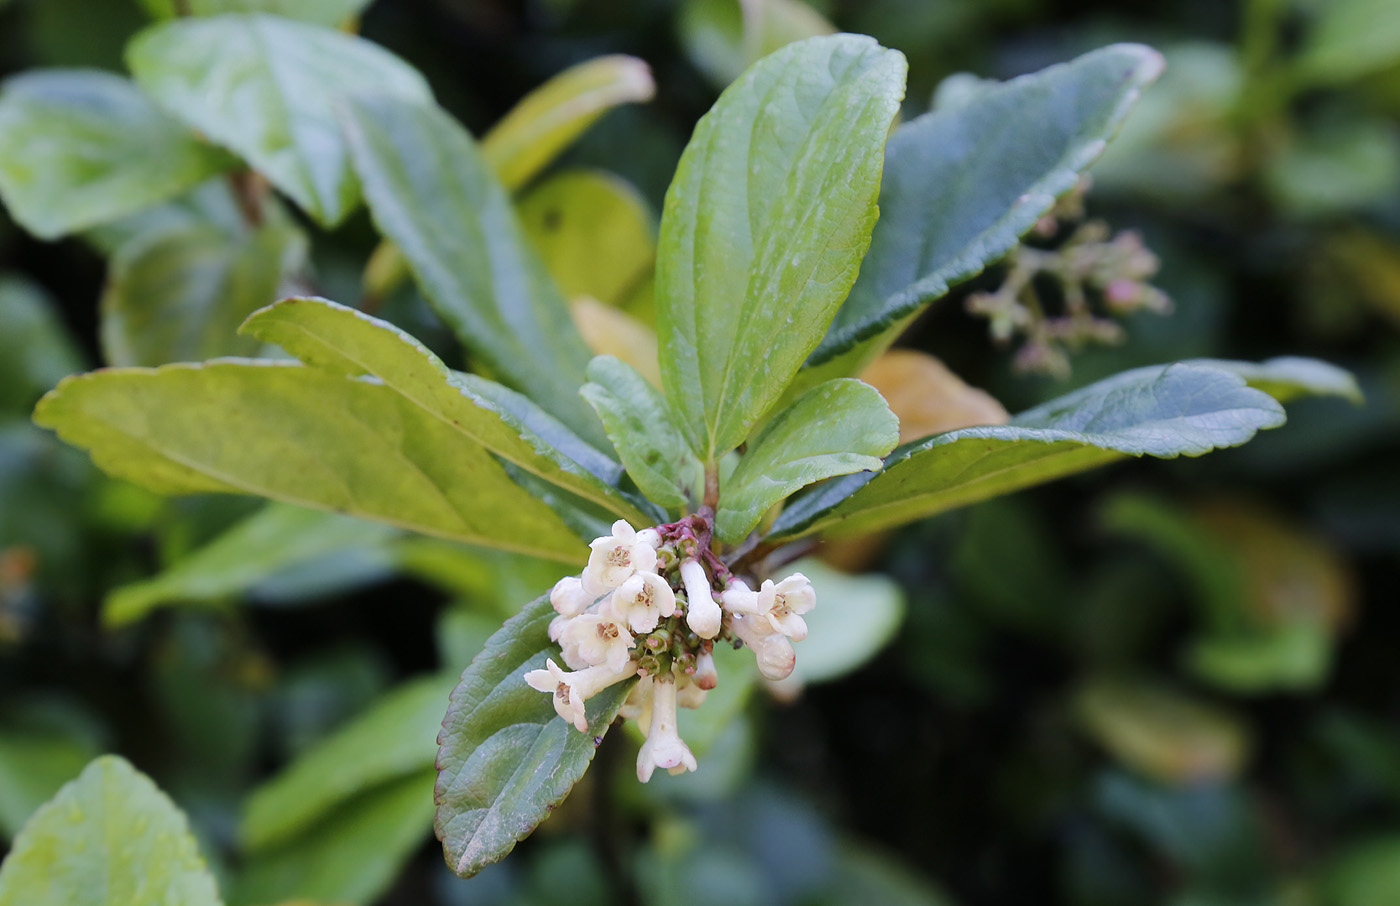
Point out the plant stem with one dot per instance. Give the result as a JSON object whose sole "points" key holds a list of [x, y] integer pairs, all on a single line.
{"points": [[249, 188]]}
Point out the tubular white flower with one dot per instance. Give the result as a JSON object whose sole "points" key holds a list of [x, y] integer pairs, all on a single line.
{"points": [[739, 598], [651, 537], [616, 558], [569, 598], [771, 649], [784, 603], [706, 676], [703, 613], [598, 639], [572, 690], [638, 704], [643, 600], [664, 747]]}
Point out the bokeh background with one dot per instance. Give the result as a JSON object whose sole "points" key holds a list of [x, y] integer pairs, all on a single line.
{"points": [[1159, 683]]}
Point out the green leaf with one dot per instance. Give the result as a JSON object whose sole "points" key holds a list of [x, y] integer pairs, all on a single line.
{"points": [[273, 539], [764, 228], [506, 759], [551, 117], [593, 232], [300, 435], [268, 88], [432, 193], [180, 296], [640, 425], [396, 736], [1348, 39], [327, 335], [110, 838], [35, 349], [962, 185], [836, 428], [81, 147], [321, 12], [350, 857], [1162, 411], [1287, 378]]}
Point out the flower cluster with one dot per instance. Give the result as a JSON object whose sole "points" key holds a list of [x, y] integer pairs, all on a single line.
{"points": [[652, 604]]}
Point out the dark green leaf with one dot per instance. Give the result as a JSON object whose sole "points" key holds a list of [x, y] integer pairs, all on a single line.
{"points": [[79, 148], [179, 296], [764, 228], [396, 736], [548, 119], [301, 435], [110, 838], [506, 759], [348, 342], [268, 88], [836, 428], [640, 425], [432, 193], [1162, 411], [962, 185]]}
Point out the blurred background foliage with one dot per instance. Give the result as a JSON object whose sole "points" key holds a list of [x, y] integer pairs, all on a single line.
{"points": [[1164, 683]]}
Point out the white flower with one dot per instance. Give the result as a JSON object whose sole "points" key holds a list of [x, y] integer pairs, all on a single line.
{"points": [[706, 676], [703, 613], [771, 649], [643, 601], [597, 639], [664, 747], [572, 690], [739, 598], [638, 704], [616, 558], [569, 598], [784, 603], [651, 537]]}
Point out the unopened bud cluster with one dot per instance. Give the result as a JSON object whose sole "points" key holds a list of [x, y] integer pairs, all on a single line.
{"points": [[1090, 263], [653, 604]]}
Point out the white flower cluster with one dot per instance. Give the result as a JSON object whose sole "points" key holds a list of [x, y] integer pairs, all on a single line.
{"points": [[647, 605]]}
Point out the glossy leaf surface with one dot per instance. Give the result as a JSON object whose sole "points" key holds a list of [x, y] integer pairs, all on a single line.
{"points": [[300, 435], [434, 195], [351, 343], [641, 427], [1163, 411], [765, 226], [962, 185], [836, 428]]}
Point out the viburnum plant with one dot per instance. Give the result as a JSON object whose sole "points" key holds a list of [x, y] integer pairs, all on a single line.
{"points": [[804, 230]]}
